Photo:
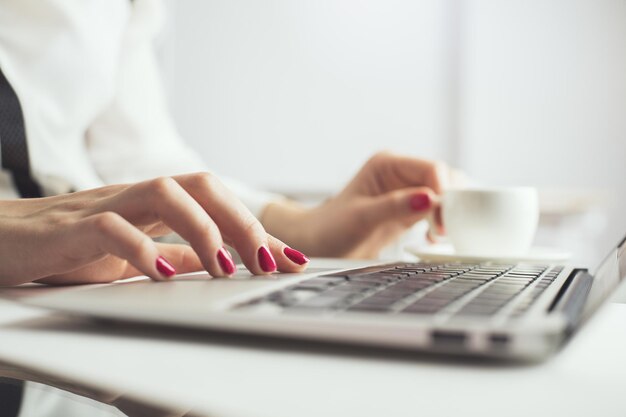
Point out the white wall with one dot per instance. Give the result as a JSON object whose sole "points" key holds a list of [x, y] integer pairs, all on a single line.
{"points": [[545, 85], [301, 92], [289, 94], [544, 97]]}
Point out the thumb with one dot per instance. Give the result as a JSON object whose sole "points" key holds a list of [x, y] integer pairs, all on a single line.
{"points": [[406, 206]]}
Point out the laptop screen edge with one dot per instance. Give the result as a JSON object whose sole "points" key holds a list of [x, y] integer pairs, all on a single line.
{"points": [[610, 274]]}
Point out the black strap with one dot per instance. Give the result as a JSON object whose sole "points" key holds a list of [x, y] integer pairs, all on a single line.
{"points": [[10, 397], [13, 141]]}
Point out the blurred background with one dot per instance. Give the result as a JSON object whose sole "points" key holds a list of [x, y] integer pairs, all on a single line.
{"points": [[294, 96]]}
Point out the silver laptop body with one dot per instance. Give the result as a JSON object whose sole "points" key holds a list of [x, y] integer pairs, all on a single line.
{"points": [[513, 311]]}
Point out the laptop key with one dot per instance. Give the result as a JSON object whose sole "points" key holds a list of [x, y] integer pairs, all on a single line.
{"points": [[470, 277], [479, 310], [379, 278], [414, 270], [485, 295], [411, 286], [424, 306], [527, 301], [355, 287], [369, 307], [429, 277], [505, 287], [389, 294]]}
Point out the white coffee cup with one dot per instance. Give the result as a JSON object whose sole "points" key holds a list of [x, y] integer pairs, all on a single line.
{"points": [[499, 221]]}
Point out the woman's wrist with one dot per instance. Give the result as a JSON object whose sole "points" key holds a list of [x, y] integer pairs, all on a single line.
{"points": [[23, 206]]}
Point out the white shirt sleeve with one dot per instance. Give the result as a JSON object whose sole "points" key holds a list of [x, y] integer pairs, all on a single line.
{"points": [[134, 138]]}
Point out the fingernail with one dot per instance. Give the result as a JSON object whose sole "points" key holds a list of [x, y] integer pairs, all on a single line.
{"points": [[226, 261], [164, 267], [266, 260], [295, 256], [420, 202]]}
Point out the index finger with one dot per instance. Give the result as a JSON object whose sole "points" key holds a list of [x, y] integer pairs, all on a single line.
{"points": [[415, 171]]}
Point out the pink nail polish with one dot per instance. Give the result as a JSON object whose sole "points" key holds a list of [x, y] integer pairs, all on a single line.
{"points": [[295, 256], [266, 260], [164, 267], [420, 202], [226, 261]]}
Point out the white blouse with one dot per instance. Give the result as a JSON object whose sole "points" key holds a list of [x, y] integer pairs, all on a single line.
{"points": [[93, 106]]}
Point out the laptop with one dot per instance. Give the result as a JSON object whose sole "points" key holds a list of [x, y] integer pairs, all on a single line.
{"points": [[514, 311]]}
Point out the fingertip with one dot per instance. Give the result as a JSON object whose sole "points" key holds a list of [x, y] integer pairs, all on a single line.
{"points": [[295, 256], [225, 260], [182, 256], [420, 201], [165, 268], [266, 260], [288, 259]]}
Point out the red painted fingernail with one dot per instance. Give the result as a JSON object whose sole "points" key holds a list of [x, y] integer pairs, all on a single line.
{"points": [[164, 267], [420, 202], [295, 256], [226, 261], [266, 260]]}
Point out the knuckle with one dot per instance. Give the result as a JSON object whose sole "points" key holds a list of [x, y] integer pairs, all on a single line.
{"points": [[439, 173], [380, 157], [437, 167], [162, 186], [59, 219], [103, 223], [206, 180]]}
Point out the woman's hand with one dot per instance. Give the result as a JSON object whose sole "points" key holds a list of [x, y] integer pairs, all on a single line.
{"points": [[388, 195], [104, 234]]}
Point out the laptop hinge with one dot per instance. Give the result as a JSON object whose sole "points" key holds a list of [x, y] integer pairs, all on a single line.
{"points": [[572, 297]]}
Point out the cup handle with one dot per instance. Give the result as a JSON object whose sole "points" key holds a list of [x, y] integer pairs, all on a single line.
{"points": [[433, 234]]}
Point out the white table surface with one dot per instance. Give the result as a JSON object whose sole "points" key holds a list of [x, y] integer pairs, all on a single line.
{"points": [[238, 376]]}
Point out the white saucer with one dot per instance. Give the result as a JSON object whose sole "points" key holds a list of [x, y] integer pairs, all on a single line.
{"points": [[445, 252]]}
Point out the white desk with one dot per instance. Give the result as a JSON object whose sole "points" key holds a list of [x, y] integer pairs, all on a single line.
{"points": [[224, 376]]}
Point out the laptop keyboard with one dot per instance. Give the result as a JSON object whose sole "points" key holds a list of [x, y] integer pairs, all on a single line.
{"points": [[459, 289]]}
